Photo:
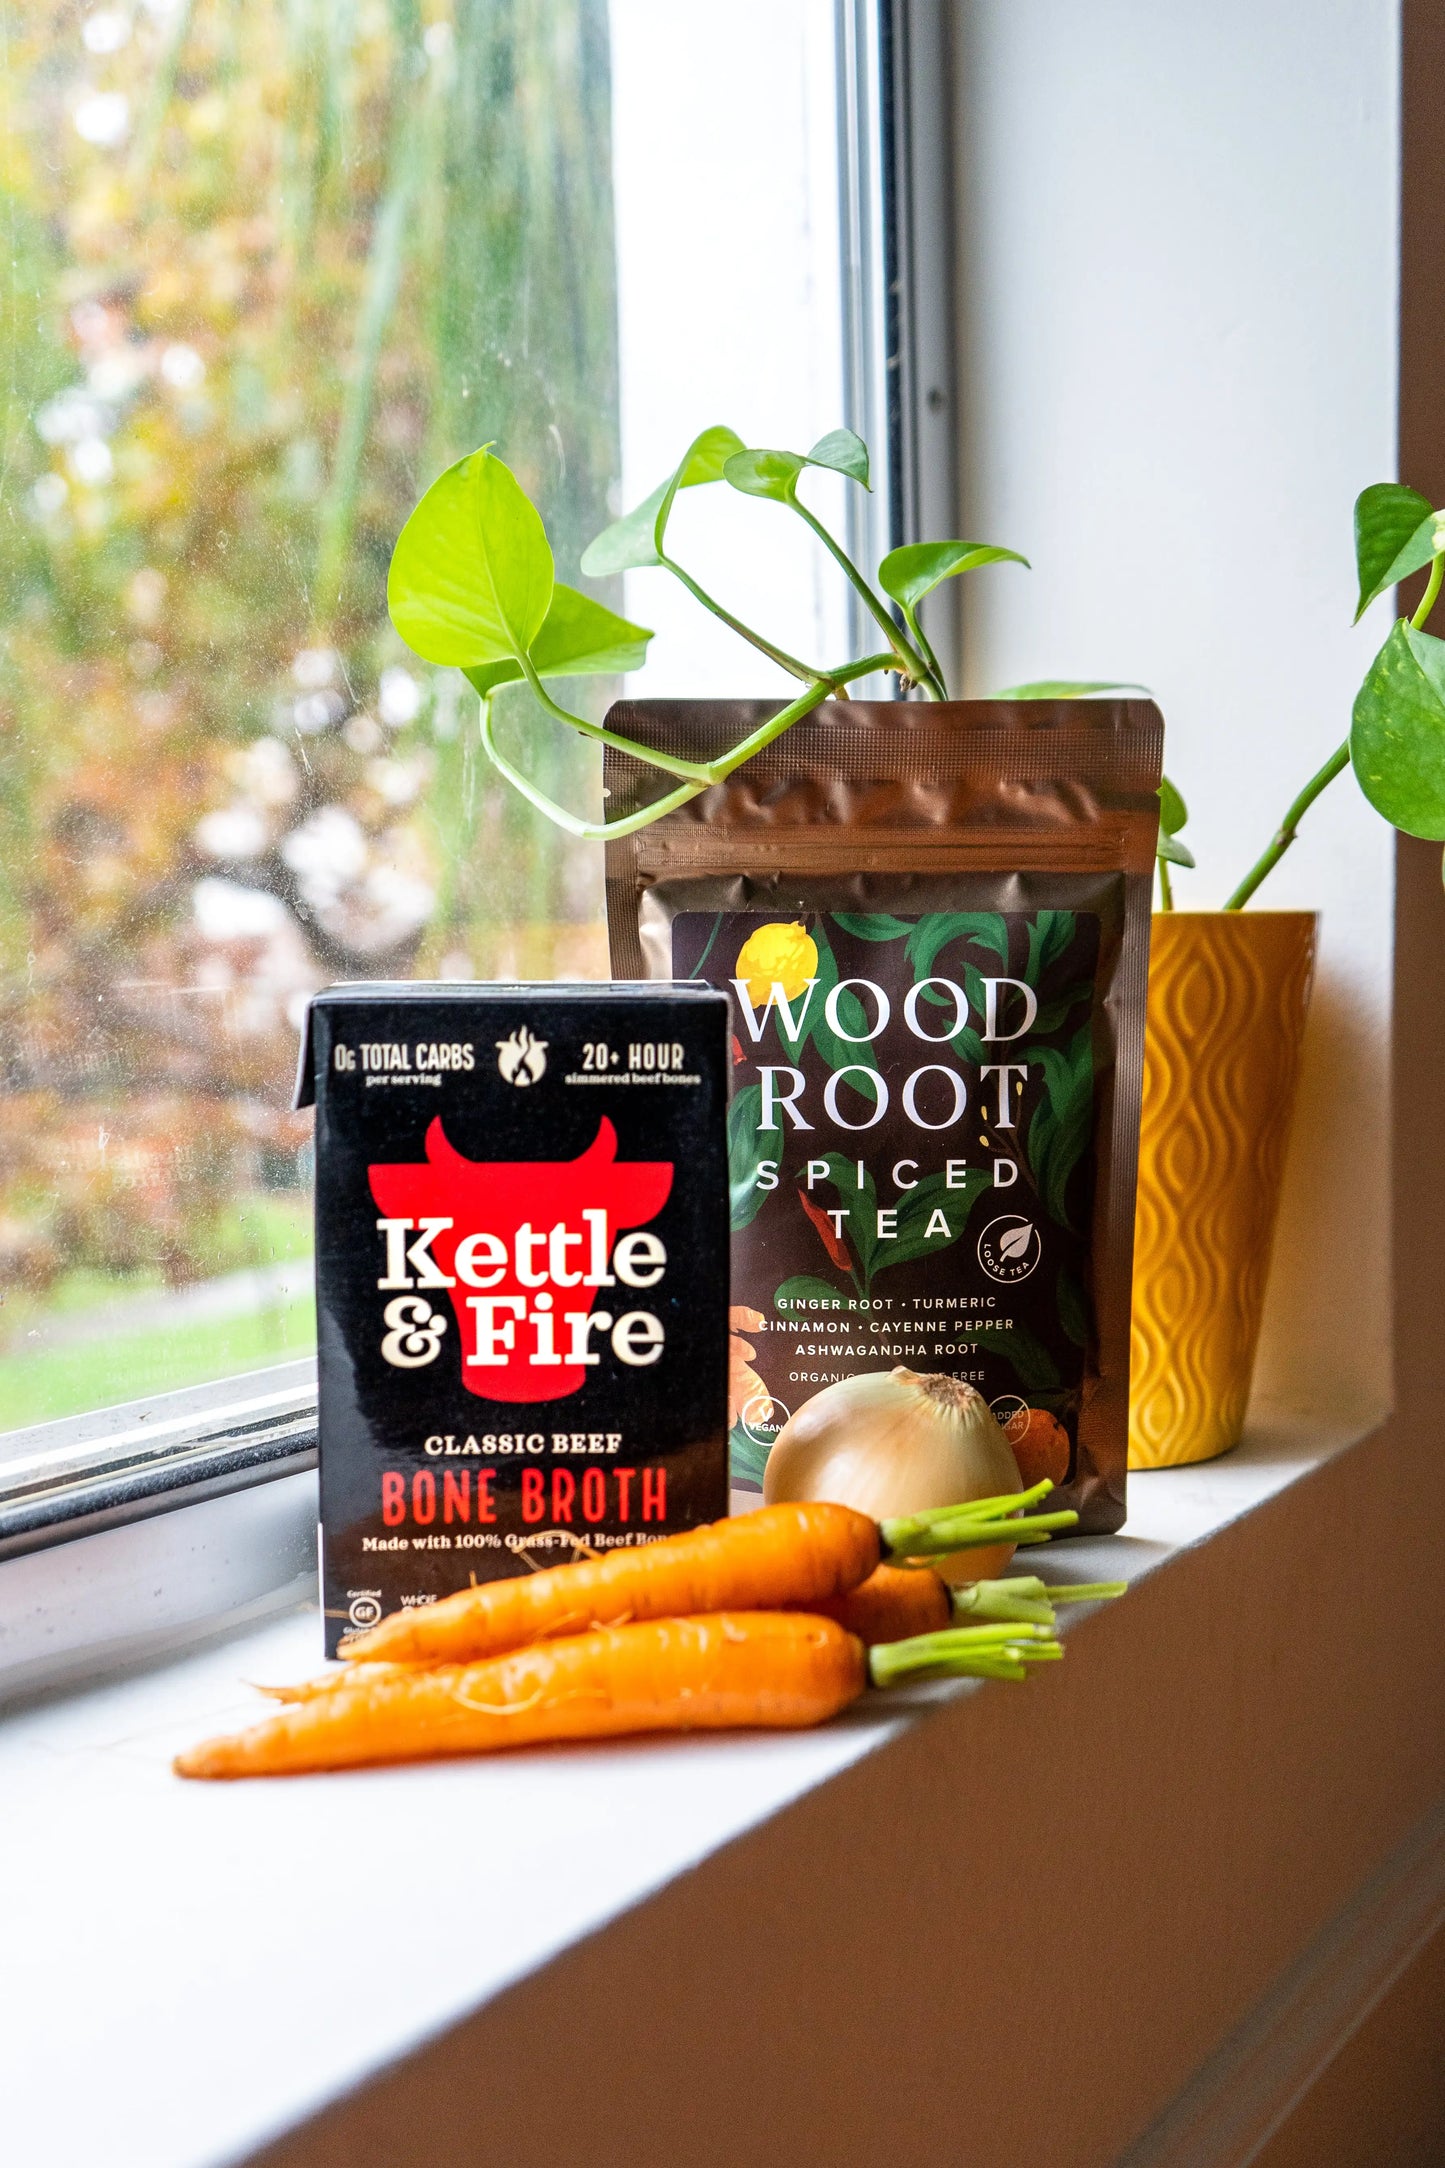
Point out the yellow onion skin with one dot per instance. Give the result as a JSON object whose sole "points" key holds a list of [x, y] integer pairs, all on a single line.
{"points": [[896, 1442]]}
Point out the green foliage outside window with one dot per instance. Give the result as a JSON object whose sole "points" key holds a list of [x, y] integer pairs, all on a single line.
{"points": [[269, 264]]}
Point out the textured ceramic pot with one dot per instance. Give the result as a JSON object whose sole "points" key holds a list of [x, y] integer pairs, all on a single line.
{"points": [[1228, 992]]}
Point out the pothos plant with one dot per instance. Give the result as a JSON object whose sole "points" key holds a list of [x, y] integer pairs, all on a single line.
{"points": [[473, 584], [1396, 741]]}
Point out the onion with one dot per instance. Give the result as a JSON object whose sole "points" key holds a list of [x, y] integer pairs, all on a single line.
{"points": [[896, 1442]]}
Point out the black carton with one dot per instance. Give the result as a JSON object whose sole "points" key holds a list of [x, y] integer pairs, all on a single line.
{"points": [[521, 1278]]}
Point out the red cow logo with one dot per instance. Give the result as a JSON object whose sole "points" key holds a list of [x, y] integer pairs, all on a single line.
{"points": [[522, 1248]]}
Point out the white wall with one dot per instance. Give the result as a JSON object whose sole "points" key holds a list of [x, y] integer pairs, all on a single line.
{"points": [[1178, 293]]}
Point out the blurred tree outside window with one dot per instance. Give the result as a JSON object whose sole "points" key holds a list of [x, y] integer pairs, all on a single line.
{"points": [[272, 264]]}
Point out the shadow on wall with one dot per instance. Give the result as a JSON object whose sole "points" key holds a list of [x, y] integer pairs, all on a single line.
{"points": [[1335, 1178]]}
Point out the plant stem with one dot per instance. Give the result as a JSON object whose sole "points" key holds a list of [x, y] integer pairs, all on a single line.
{"points": [[1288, 828], [833, 680], [1339, 759], [585, 831], [1166, 892], [779, 655], [913, 664], [691, 771], [925, 649], [698, 778]]}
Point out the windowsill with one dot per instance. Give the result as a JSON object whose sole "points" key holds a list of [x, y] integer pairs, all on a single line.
{"points": [[231, 1960]]}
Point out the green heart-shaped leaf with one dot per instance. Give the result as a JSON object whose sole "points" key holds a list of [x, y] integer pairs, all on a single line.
{"points": [[910, 573], [844, 452], [635, 540], [705, 460], [765, 474], [580, 638], [775, 474], [471, 575], [627, 544], [707, 455], [1397, 737], [1397, 531], [1173, 812], [1068, 689]]}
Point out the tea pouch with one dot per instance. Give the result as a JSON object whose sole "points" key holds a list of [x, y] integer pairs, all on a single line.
{"points": [[933, 922]]}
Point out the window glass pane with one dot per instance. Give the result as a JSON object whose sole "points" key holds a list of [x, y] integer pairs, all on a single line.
{"points": [[271, 267]]}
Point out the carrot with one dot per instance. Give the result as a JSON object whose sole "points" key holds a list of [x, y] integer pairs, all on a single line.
{"points": [[896, 1602], [893, 1603], [728, 1670], [797, 1554], [348, 1675]]}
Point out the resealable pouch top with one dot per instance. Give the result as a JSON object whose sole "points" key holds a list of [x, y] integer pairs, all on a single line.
{"points": [[933, 921]]}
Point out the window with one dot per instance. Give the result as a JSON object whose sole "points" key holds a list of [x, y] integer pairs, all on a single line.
{"points": [[274, 266]]}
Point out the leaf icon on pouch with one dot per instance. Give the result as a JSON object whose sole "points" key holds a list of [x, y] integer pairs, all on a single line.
{"points": [[1015, 1242]]}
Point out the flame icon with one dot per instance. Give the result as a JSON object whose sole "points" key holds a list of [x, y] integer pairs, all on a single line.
{"points": [[522, 1059]]}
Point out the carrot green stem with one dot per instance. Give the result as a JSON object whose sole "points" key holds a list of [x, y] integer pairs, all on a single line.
{"points": [[1087, 1591], [898, 1534], [1003, 1600], [961, 1652], [1025, 1596], [969, 1532]]}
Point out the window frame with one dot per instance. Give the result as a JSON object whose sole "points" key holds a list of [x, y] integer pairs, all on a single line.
{"points": [[86, 1473], [896, 176]]}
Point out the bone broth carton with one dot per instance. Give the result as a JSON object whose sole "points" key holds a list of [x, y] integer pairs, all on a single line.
{"points": [[521, 1279]]}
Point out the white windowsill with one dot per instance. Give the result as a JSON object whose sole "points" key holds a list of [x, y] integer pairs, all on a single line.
{"points": [[222, 1962]]}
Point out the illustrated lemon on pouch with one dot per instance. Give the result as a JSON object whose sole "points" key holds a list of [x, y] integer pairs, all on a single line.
{"points": [[777, 955]]}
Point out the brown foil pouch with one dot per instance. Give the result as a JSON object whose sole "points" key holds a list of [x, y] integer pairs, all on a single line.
{"points": [[934, 924]]}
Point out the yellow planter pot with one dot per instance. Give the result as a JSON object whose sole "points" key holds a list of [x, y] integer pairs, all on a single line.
{"points": [[1228, 992]]}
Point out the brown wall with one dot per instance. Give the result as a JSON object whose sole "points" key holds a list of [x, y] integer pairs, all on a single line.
{"points": [[1383, 2100]]}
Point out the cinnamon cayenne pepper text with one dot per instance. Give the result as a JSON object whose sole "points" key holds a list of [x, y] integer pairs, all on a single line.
{"points": [[521, 1267]]}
